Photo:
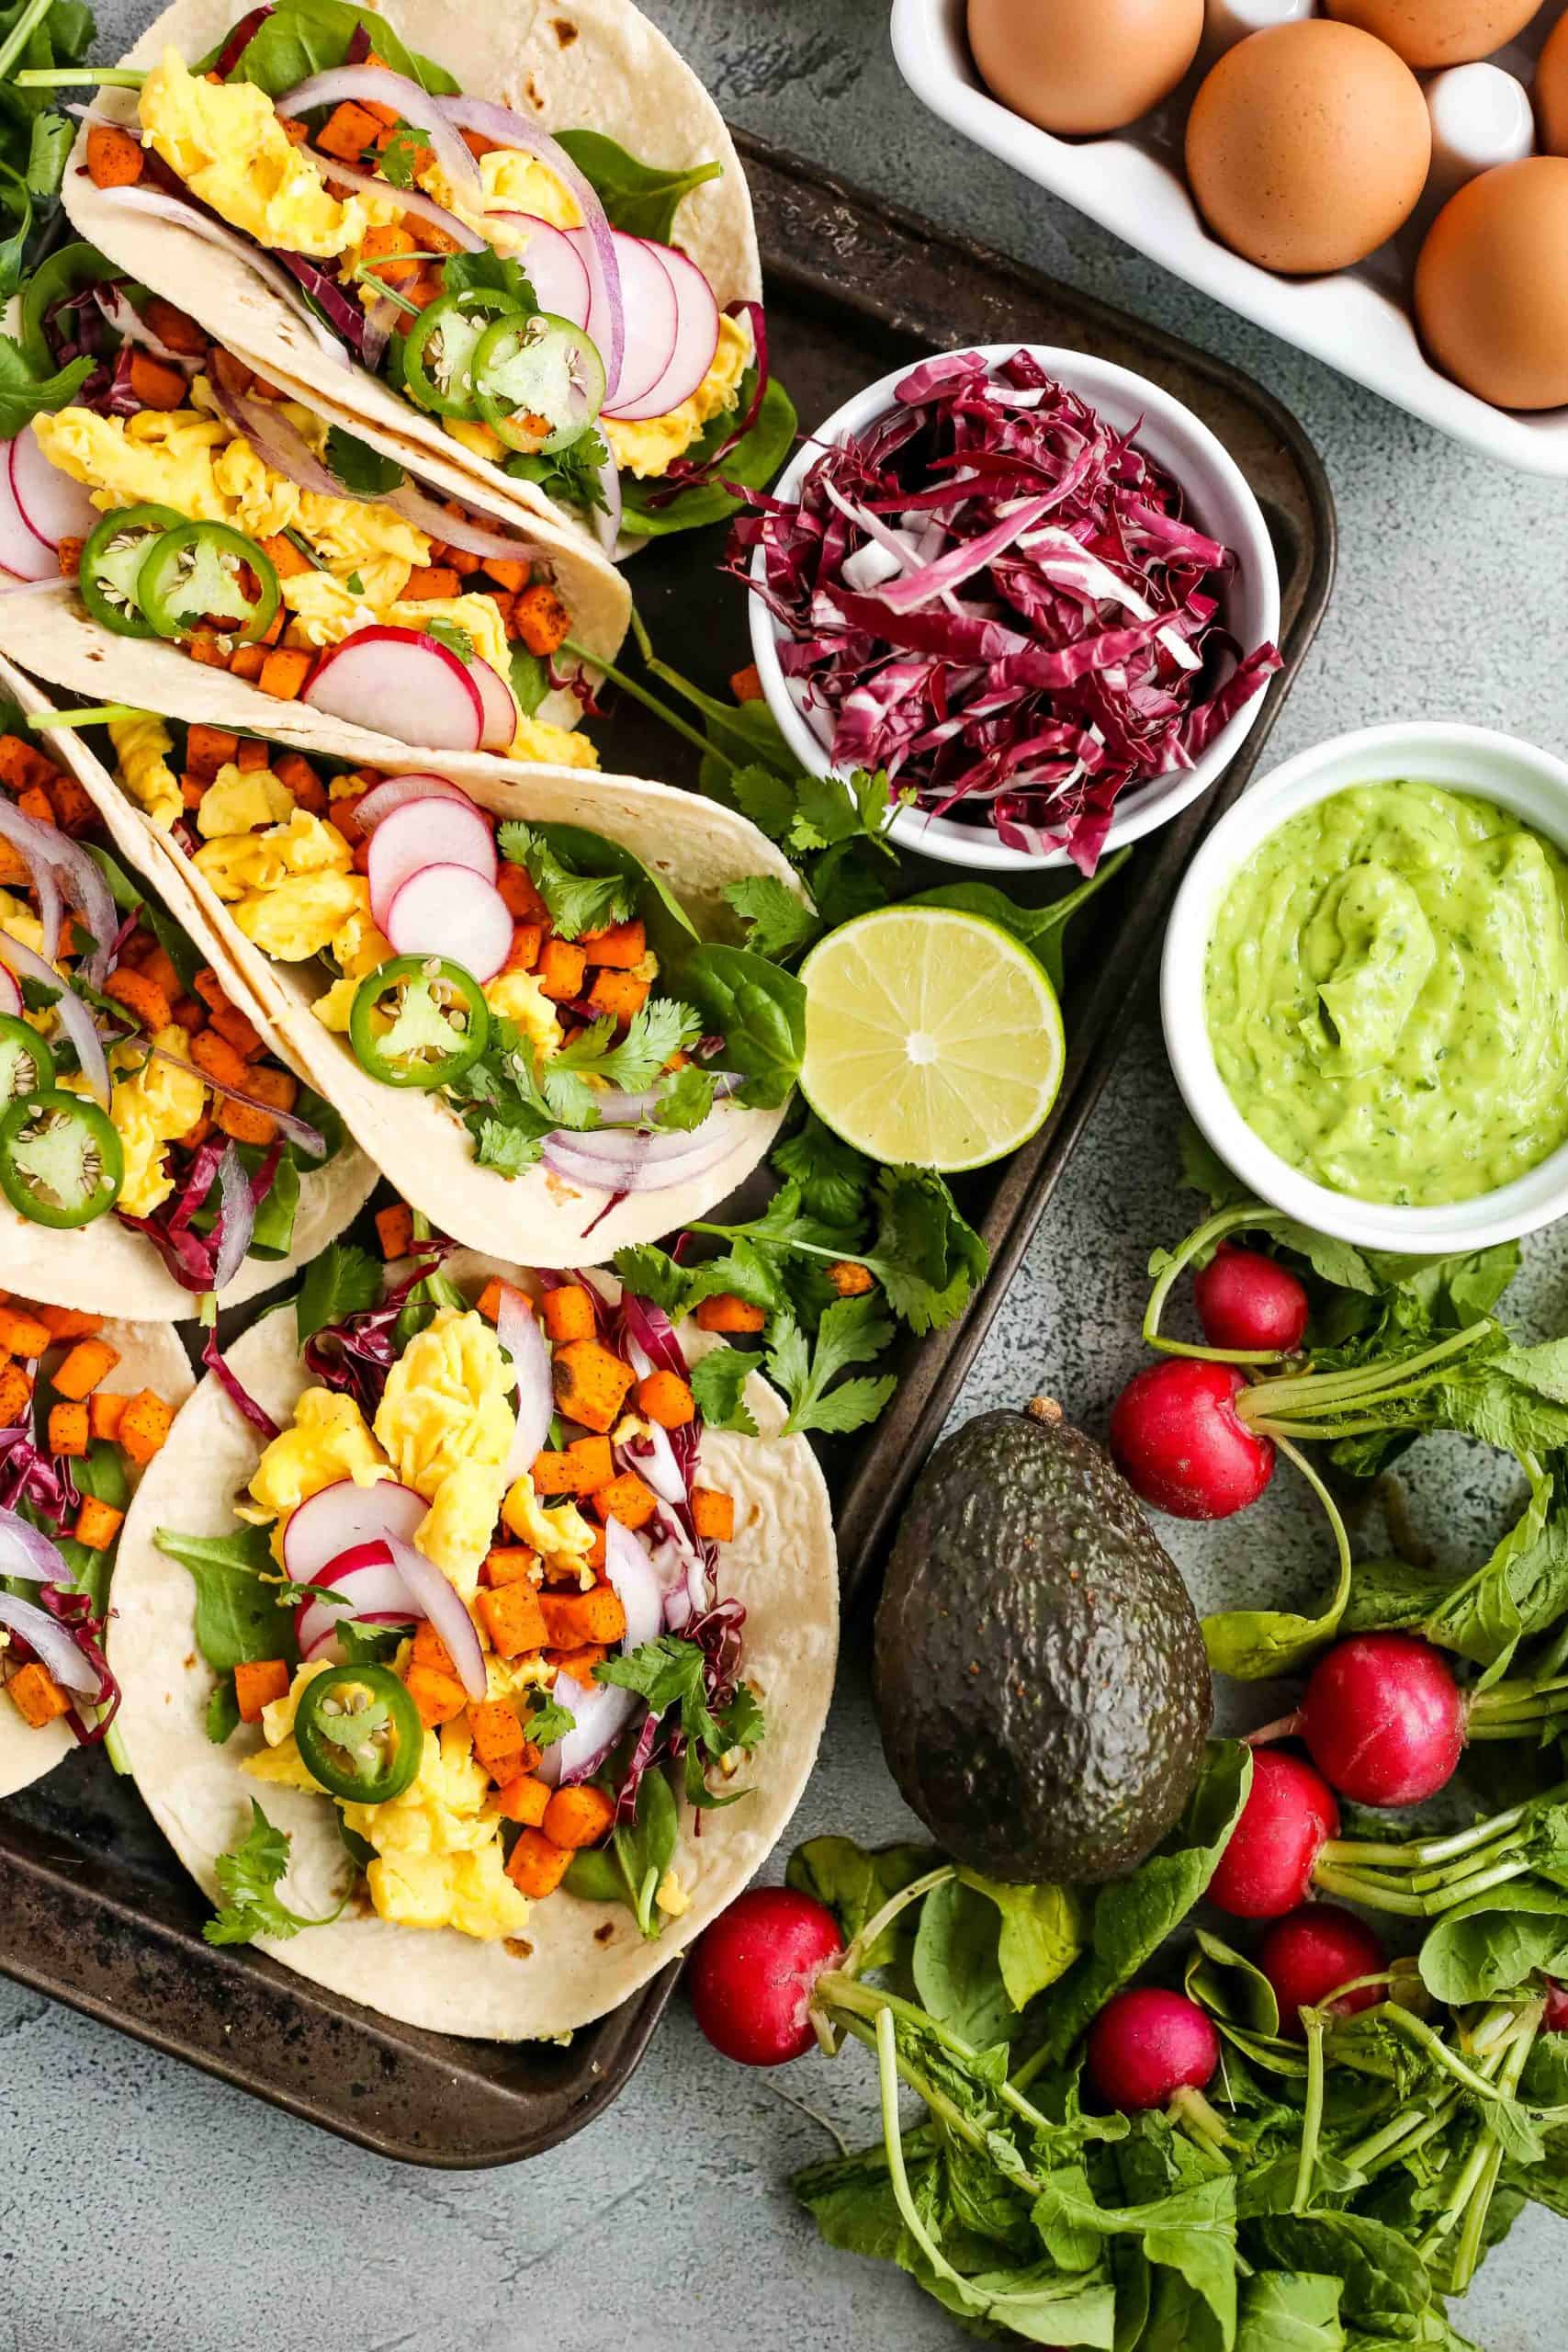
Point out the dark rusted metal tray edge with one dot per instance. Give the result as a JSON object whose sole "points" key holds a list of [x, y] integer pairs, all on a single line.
{"points": [[437, 2101]]}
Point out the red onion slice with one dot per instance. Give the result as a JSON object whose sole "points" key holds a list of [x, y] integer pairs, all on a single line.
{"points": [[409, 200], [435, 832], [339, 1519], [367, 678], [601, 1711], [556, 271], [131, 327], [380, 321], [52, 506], [160, 206], [275, 439], [10, 995], [418, 785], [653, 318], [71, 1012], [51, 856], [374, 1594], [416, 506], [53, 1643], [692, 352], [631, 1572], [653, 1458], [379, 85], [26, 1551], [520, 1335], [310, 1139], [618, 1110], [501, 716], [445, 1607], [452, 911], [237, 1216], [560, 1151], [606, 322]]}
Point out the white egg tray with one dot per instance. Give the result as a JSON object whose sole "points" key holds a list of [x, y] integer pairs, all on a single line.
{"points": [[1358, 320]]}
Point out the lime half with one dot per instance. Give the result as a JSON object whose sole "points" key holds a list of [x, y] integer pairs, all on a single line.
{"points": [[931, 1035]]}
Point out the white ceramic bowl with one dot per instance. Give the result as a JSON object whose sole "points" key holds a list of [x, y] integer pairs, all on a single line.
{"points": [[1530, 783], [1218, 501], [1133, 184]]}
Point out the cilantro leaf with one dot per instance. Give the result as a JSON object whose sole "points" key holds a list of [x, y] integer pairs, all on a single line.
{"points": [[832, 1175], [686, 1102], [778, 921], [651, 1273], [659, 1029], [457, 640], [549, 1723], [853, 1331], [668, 1672], [359, 468], [570, 476], [247, 1880], [927, 1258], [718, 1384], [577, 902], [400, 159], [343, 1281], [509, 1148], [495, 272], [767, 798]]}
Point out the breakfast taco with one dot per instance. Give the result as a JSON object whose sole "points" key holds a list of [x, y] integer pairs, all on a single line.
{"points": [[526, 241], [530, 1013], [209, 516], [85, 1405], [156, 1145], [525, 1657]]}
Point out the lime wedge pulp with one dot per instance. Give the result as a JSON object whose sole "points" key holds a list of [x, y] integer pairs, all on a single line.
{"points": [[931, 1036]]}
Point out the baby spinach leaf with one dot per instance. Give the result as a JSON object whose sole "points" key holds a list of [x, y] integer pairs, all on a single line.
{"points": [[956, 1971], [642, 199], [758, 1010], [223, 1712], [24, 393], [1289, 2311], [344, 1279], [1480, 1952], [238, 1616], [1042, 930], [1191, 2231], [360, 469], [649, 511], [306, 36], [1386, 2288]]}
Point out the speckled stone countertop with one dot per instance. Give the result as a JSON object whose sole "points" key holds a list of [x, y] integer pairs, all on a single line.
{"points": [[144, 2209]]}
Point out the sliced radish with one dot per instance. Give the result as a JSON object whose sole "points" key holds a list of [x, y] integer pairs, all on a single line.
{"points": [[451, 911], [420, 833], [22, 552], [380, 670], [373, 1594], [53, 506], [696, 340], [502, 714], [420, 784], [653, 319], [556, 271], [10, 995], [332, 1522]]}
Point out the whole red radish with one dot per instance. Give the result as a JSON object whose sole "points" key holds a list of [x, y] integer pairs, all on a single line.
{"points": [[1181, 1443], [752, 1971], [1383, 1718], [1310, 1954], [1288, 1817], [1556, 2018], [1246, 1300], [1145, 2045]]}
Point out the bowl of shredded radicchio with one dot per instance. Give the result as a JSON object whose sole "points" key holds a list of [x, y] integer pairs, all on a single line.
{"points": [[1031, 586]]}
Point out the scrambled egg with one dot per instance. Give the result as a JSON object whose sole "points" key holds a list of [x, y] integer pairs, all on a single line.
{"points": [[557, 1532], [292, 889], [227, 143], [150, 1107], [446, 1422], [18, 919], [239, 799], [518, 997], [649, 448], [143, 744], [328, 1440]]}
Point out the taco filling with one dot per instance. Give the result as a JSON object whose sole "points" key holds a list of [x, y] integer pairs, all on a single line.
{"points": [[537, 980], [77, 1427], [131, 1085], [499, 1641], [216, 515], [465, 255]]}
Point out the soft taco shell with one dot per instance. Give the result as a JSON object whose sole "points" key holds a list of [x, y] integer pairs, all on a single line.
{"points": [[151, 1356], [577, 1960], [571, 64], [695, 846], [96, 1266]]}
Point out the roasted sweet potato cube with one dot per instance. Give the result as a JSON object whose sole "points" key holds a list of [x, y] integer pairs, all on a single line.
{"points": [[37, 1696], [567, 1313], [536, 1867], [713, 1514], [89, 1362], [257, 1683], [511, 1618], [591, 1384]]}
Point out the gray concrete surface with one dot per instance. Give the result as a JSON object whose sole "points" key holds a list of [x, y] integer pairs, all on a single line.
{"points": [[145, 2210]]}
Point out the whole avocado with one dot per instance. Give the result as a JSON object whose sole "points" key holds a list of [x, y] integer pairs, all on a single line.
{"points": [[1041, 1677]]}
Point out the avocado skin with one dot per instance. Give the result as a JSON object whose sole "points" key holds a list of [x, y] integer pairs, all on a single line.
{"points": [[1041, 1677]]}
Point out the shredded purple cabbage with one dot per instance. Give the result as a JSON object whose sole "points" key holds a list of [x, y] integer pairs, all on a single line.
{"points": [[239, 40], [356, 1354], [233, 1387], [995, 596], [192, 1257], [346, 317]]}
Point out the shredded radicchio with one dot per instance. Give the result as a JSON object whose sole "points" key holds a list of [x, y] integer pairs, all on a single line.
{"points": [[43, 1483], [234, 1388], [356, 1354], [192, 1257], [994, 595], [91, 1717]]}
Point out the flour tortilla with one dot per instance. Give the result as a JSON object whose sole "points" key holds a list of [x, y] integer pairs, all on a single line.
{"points": [[695, 846], [104, 1264], [571, 64], [151, 1356], [575, 1960]]}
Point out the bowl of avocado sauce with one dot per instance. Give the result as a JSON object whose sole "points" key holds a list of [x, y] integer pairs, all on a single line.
{"points": [[1365, 988]]}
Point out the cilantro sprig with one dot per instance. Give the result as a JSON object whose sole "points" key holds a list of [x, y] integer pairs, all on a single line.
{"points": [[247, 1877], [577, 902]]}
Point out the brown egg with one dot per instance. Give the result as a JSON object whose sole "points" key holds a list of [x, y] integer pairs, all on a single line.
{"points": [[1307, 146], [1083, 65], [1552, 90], [1492, 285], [1438, 32]]}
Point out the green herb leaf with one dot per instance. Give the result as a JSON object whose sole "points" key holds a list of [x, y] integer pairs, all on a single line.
{"points": [[718, 1384], [25, 394], [306, 36], [578, 902], [855, 1884], [457, 641], [399, 160], [548, 1722], [758, 1010], [641, 199], [649, 511], [853, 1331], [778, 921], [344, 1279], [365, 472], [239, 1618], [247, 1880]]}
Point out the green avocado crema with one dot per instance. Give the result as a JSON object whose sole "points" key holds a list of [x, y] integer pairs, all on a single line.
{"points": [[1387, 994]]}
